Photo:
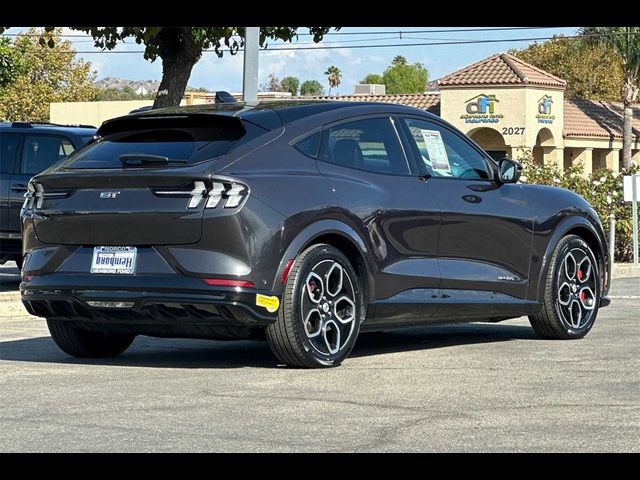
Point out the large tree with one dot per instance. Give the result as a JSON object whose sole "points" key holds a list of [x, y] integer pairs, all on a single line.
{"points": [[401, 77], [372, 79], [180, 48], [625, 41], [11, 63], [334, 77], [311, 88], [591, 71], [47, 75], [291, 84], [273, 84]]}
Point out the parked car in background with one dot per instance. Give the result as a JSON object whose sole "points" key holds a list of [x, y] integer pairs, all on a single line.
{"points": [[303, 222], [27, 149]]}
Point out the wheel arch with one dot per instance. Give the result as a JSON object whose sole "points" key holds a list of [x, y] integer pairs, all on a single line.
{"points": [[584, 229], [339, 235]]}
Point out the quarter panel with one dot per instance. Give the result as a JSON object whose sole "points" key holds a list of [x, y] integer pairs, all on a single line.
{"points": [[556, 212]]}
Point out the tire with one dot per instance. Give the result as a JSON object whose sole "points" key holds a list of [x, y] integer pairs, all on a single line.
{"points": [[78, 342], [319, 319], [571, 292]]}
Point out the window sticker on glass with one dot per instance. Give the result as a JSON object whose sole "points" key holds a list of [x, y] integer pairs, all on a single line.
{"points": [[435, 149]]}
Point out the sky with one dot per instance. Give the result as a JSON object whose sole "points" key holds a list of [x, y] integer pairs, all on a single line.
{"points": [[226, 73]]}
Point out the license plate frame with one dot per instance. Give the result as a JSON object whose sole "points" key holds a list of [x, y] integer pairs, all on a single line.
{"points": [[114, 260]]}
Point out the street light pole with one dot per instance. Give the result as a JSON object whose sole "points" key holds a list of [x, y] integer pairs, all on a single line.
{"points": [[250, 74], [634, 215]]}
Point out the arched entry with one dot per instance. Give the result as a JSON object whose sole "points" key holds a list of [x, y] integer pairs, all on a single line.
{"points": [[545, 144], [491, 141]]}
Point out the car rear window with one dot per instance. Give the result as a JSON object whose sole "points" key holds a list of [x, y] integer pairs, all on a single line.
{"points": [[180, 146]]}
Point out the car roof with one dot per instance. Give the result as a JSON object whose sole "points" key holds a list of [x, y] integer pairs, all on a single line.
{"points": [[274, 113], [29, 127]]}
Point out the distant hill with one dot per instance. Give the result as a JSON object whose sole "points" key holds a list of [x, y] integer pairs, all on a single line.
{"points": [[150, 86]]}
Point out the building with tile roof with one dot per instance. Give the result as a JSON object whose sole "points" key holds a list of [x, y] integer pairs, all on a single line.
{"points": [[508, 106], [503, 103]]}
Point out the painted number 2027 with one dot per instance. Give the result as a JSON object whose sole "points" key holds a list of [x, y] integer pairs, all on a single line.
{"points": [[513, 130]]}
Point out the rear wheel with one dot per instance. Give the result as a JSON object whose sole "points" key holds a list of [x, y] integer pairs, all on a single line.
{"points": [[83, 343], [321, 309], [571, 294]]}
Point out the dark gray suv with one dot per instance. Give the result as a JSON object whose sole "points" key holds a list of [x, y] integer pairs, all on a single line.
{"points": [[27, 149], [302, 222]]}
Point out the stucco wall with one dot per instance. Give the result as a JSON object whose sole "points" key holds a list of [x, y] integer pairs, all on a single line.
{"points": [[94, 113], [516, 116]]}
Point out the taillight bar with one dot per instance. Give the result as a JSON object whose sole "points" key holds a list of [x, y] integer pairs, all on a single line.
{"points": [[36, 194], [222, 193]]}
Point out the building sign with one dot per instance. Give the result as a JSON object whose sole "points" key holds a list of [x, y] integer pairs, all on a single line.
{"points": [[481, 109], [544, 110]]}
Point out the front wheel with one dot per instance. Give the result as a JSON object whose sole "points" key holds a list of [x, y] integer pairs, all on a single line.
{"points": [[321, 310], [79, 342], [572, 292]]}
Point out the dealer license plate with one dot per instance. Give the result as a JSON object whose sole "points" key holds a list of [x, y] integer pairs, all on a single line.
{"points": [[114, 260]]}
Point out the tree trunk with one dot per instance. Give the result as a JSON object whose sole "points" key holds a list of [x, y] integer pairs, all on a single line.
{"points": [[179, 53]]}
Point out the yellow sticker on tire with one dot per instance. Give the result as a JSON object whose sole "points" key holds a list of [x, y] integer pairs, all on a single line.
{"points": [[270, 303]]}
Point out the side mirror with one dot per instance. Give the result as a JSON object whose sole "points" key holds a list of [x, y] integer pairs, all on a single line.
{"points": [[509, 171]]}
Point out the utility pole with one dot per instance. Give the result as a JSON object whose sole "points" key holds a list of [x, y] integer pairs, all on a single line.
{"points": [[250, 73]]}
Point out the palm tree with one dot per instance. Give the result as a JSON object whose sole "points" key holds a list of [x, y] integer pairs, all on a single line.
{"points": [[626, 42], [334, 77]]}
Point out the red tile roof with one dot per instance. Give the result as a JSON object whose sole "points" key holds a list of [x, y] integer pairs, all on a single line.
{"points": [[593, 118], [501, 69], [425, 101], [582, 118]]}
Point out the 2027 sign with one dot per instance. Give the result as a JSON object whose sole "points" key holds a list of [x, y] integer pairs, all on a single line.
{"points": [[512, 130]]}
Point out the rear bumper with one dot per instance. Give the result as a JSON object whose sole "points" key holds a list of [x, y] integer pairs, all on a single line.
{"points": [[144, 300]]}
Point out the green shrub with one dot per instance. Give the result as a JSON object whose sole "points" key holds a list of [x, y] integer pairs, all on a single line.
{"points": [[602, 189]]}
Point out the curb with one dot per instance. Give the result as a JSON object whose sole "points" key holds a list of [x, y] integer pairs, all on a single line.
{"points": [[625, 270]]}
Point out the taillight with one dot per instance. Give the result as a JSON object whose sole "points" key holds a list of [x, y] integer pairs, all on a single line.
{"points": [[36, 195], [220, 193]]}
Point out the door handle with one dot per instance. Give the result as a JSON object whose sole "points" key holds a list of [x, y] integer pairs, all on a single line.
{"points": [[18, 187]]}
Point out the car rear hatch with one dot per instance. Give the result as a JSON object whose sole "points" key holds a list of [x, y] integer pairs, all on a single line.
{"points": [[142, 183]]}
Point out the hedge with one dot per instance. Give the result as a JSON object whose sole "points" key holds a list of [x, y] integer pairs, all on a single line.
{"points": [[602, 189]]}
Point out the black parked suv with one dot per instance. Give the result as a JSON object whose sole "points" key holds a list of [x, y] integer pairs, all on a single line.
{"points": [[25, 150], [302, 222]]}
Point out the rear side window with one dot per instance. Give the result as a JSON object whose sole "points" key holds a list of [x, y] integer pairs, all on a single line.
{"points": [[371, 144], [8, 150], [39, 152], [173, 146], [309, 145]]}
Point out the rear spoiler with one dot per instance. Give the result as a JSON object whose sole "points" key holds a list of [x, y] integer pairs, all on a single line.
{"points": [[178, 120]]}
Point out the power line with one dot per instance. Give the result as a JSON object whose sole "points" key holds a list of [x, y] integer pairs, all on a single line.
{"points": [[386, 32], [449, 30], [385, 45]]}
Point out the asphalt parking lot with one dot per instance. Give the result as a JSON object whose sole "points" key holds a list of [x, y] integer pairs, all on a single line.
{"points": [[478, 387]]}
